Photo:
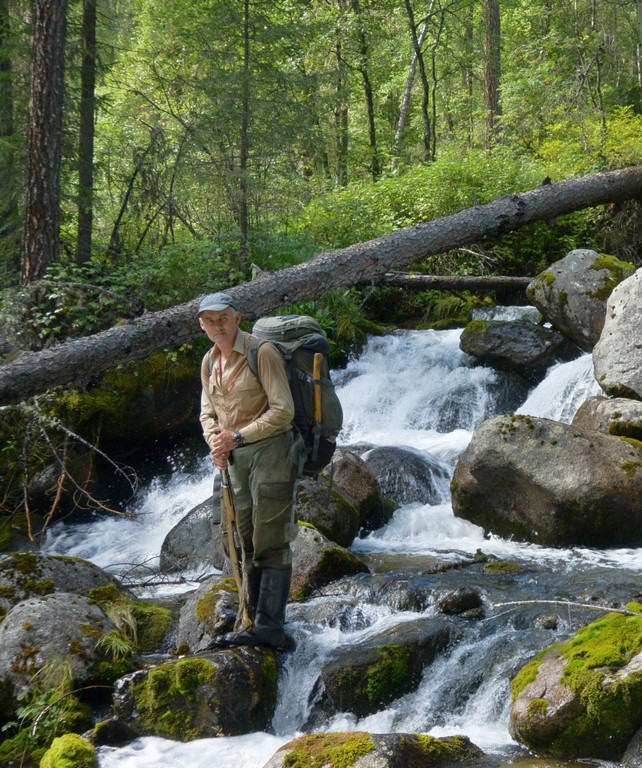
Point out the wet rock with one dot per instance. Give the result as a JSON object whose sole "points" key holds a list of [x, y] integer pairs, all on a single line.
{"points": [[581, 699], [29, 574], [323, 504], [207, 613], [617, 357], [551, 483], [191, 543], [359, 484], [317, 561], [571, 294], [407, 475], [613, 416], [224, 693], [372, 750], [463, 601], [49, 630], [368, 675], [518, 346]]}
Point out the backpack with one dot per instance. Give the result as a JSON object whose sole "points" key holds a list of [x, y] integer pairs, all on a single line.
{"points": [[298, 338]]}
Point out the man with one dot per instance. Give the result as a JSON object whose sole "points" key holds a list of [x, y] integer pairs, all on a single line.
{"points": [[247, 423]]}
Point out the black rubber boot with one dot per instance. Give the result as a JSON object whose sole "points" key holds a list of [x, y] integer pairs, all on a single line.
{"points": [[270, 610]]}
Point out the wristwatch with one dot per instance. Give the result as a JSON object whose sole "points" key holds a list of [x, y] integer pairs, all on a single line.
{"points": [[239, 440]]}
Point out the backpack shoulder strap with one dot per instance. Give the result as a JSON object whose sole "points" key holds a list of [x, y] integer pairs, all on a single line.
{"points": [[252, 353]]}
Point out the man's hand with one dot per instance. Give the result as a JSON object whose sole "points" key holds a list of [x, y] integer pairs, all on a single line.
{"points": [[223, 445]]}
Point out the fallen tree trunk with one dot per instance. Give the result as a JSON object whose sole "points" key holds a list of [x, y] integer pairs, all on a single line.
{"points": [[79, 360], [417, 282]]}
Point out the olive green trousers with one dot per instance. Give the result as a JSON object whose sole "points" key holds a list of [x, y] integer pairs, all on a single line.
{"points": [[263, 476]]}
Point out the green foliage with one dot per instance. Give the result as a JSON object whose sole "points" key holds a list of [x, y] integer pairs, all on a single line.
{"points": [[46, 710]]}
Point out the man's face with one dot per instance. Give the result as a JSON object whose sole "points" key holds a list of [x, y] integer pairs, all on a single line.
{"points": [[220, 327]]}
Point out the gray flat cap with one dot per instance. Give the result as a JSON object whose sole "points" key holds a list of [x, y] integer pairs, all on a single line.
{"points": [[216, 302]]}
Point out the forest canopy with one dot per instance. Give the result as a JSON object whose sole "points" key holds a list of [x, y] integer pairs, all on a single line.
{"points": [[186, 141]]}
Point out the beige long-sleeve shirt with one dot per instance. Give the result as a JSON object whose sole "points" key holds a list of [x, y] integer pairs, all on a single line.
{"points": [[235, 398]]}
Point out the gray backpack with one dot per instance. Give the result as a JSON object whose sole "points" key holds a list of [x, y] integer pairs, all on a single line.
{"points": [[299, 338]]}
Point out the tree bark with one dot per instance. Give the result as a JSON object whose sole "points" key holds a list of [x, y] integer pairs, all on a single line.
{"points": [[42, 206], [80, 360], [492, 69], [8, 201], [417, 282], [86, 134]]}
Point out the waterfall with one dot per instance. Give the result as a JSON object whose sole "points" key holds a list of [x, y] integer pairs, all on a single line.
{"points": [[415, 389]]}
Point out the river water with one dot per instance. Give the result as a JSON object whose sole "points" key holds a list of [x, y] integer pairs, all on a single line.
{"points": [[415, 389]]}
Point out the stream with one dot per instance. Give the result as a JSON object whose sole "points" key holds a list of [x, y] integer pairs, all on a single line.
{"points": [[414, 389]]}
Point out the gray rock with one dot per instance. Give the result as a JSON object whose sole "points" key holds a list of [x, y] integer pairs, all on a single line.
{"points": [[224, 693], [368, 675], [317, 561], [531, 314], [617, 357], [571, 294], [518, 346], [322, 504], [408, 475], [191, 542], [551, 483], [207, 612], [613, 416], [29, 574], [61, 627], [388, 750]]}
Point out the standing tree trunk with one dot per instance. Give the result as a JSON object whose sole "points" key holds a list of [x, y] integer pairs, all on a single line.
{"points": [[8, 184], [425, 100], [341, 109], [42, 206], [638, 7], [405, 102], [364, 68], [86, 131], [492, 70], [244, 217]]}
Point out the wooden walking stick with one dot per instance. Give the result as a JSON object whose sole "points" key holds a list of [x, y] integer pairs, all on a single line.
{"points": [[318, 403], [236, 551]]}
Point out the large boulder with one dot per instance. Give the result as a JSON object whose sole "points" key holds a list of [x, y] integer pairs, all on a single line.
{"points": [[518, 346], [31, 574], [206, 613], [551, 483], [407, 475], [583, 699], [366, 676], [195, 540], [359, 485], [571, 294], [322, 503], [613, 416], [617, 357], [50, 630], [372, 750], [226, 693], [317, 561]]}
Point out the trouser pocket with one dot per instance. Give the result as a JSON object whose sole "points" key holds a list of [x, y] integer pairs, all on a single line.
{"points": [[273, 525]]}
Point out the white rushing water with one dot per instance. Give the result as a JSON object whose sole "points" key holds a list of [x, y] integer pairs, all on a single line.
{"points": [[411, 388]]}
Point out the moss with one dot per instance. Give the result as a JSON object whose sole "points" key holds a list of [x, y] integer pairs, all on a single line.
{"points": [[206, 605], [338, 750], [163, 699], [538, 708], [609, 717], [7, 593], [105, 596], [438, 750], [615, 270], [303, 524], [563, 299], [632, 441], [528, 674], [380, 682], [548, 278], [630, 468], [503, 566], [628, 429], [70, 751]]}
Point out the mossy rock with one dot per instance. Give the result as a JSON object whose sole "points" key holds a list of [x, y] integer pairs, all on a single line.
{"points": [[371, 750], [583, 699], [70, 751], [227, 693]]}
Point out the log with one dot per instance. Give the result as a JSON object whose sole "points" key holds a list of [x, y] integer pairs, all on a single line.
{"points": [[418, 282], [81, 360]]}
